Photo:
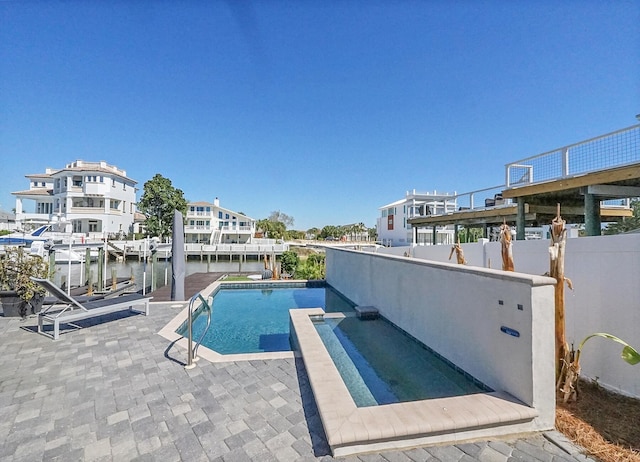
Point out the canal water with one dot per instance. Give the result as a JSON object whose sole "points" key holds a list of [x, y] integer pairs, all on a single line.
{"points": [[151, 275]]}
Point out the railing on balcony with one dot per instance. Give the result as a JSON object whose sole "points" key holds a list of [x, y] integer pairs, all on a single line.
{"points": [[236, 228], [615, 149]]}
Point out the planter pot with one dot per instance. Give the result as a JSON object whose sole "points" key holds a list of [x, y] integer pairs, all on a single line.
{"points": [[14, 307]]}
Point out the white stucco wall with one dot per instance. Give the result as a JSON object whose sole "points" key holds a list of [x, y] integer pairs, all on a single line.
{"points": [[605, 271], [458, 312]]}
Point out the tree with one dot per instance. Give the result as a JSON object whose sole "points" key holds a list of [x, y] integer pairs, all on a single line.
{"points": [[627, 224], [373, 234], [294, 234], [278, 216], [313, 233], [271, 229], [330, 231], [158, 203]]}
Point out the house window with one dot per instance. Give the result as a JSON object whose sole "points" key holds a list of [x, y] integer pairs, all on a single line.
{"points": [[390, 223], [220, 215]]}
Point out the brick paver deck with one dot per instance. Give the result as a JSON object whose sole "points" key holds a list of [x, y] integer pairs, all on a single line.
{"points": [[117, 391]]}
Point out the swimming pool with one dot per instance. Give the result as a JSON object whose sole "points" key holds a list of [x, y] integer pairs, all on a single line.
{"points": [[250, 320], [380, 364]]}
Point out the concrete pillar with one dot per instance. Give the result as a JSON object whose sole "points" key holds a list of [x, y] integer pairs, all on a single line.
{"points": [[592, 215], [520, 220], [414, 231], [455, 234]]}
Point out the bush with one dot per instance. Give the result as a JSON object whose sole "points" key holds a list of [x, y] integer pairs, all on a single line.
{"points": [[289, 262], [312, 268]]}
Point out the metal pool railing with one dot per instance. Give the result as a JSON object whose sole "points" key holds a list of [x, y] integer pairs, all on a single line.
{"points": [[615, 149], [192, 354]]}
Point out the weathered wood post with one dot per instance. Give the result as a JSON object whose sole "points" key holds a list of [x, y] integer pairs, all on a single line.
{"points": [[556, 271], [507, 247]]}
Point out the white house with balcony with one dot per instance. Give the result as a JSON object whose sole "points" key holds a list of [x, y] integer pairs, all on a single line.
{"points": [[89, 198], [208, 223], [394, 230]]}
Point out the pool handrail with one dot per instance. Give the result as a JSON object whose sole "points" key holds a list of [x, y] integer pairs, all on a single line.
{"points": [[192, 352]]}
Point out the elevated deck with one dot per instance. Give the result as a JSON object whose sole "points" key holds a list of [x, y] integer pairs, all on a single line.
{"points": [[585, 178]]}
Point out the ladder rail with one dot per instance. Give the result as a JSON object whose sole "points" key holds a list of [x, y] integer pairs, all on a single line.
{"points": [[192, 352]]}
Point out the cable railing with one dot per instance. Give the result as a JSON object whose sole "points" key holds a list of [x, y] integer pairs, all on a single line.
{"points": [[192, 353], [615, 149]]}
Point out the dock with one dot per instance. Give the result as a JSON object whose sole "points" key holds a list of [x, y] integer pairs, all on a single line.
{"points": [[193, 284]]}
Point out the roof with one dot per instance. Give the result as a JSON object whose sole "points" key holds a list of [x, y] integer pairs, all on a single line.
{"points": [[82, 166], [34, 192]]}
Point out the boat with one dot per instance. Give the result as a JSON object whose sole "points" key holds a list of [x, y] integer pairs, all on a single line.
{"points": [[23, 239]]}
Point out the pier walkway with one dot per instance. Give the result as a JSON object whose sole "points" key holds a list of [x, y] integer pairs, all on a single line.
{"points": [[193, 284]]}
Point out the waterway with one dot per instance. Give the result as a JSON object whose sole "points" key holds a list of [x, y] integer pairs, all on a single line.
{"points": [[151, 275]]}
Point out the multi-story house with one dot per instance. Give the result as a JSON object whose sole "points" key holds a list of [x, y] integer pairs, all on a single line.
{"points": [[92, 198], [393, 228], [208, 223]]}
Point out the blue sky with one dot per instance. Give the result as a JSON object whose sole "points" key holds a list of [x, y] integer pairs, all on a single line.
{"points": [[323, 110]]}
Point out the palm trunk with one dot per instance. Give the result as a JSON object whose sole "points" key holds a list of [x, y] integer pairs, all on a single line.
{"points": [[556, 251]]}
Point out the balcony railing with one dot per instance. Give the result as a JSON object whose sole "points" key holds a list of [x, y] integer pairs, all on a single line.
{"points": [[615, 149]]}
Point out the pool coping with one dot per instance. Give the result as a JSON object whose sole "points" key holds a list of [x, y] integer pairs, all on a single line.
{"points": [[350, 430]]}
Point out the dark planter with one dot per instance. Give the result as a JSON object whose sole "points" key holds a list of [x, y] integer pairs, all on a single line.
{"points": [[14, 307]]}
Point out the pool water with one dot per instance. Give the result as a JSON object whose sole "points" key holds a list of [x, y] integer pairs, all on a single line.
{"points": [[257, 320], [380, 364]]}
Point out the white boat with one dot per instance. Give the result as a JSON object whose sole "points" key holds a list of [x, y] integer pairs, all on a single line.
{"points": [[23, 239], [61, 254]]}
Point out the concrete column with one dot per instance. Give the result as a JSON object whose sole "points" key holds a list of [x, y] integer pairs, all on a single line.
{"points": [[592, 215], [455, 234], [520, 220], [414, 230]]}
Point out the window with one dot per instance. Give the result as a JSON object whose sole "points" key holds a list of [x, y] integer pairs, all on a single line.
{"points": [[220, 215], [114, 204], [77, 181]]}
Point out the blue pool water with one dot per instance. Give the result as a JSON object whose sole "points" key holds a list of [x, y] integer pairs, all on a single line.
{"points": [[381, 365], [257, 320]]}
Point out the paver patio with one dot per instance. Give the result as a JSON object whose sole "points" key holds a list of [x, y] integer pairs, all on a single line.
{"points": [[117, 391]]}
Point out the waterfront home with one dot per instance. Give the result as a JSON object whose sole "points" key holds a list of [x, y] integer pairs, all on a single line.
{"points": [[394, 229], [208, 223], [91, 198]]}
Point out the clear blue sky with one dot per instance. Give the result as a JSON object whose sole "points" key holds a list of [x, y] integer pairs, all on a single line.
{"points": [[323, 110]]}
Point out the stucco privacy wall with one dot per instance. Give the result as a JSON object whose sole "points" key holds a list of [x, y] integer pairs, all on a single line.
{"points": [[605, 271], [458, 312]]}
